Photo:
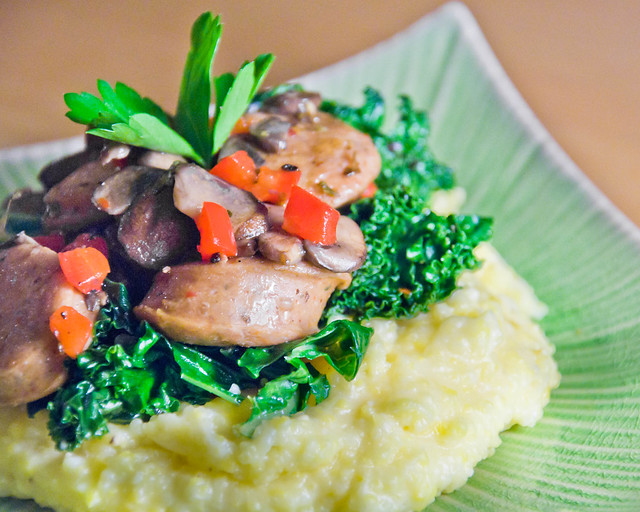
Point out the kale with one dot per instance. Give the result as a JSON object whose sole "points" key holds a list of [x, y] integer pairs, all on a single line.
{"points": [[407, 160], [132, 371], [414, 257]]}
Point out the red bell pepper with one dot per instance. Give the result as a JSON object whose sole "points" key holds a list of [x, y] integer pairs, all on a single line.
{"points": [[72, 330], [274, 186], [237, 169], [85, 268], [216, 231], [310, 218], [370, 191]]}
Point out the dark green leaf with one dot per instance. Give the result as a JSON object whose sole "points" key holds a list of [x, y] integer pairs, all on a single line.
{"points": [[207, 373], [414, 257]]}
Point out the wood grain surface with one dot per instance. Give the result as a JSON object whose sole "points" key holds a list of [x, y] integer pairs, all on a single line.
{"points": [[576, 62]]}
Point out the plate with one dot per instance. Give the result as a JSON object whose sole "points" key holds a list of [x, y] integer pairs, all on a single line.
{"points": [[578, 251]]}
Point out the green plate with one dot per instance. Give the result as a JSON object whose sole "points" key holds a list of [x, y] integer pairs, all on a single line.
{"points": [[578, 251]]}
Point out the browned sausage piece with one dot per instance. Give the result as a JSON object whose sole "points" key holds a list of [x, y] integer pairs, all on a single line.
{"points": [[32, 287], [243, 301], [337, 161]]}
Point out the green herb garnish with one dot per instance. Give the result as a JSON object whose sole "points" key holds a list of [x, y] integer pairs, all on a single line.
{"points": [[122, 115]]}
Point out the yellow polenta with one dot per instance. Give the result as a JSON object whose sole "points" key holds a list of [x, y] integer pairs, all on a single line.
{"points": [[429, 402]]}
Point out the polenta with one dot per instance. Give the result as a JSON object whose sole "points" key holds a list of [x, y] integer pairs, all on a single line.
{"points": [[428, 404]]}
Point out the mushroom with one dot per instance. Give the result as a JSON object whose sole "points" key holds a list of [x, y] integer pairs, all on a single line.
{"points": [[68, 203], [193, 186], [293, 103], [160, 160], [115, 194], [241, 143], [153, 233], [275, 215], [271, 133], [281, 247], [346, 255], [254, 226], [116, 154]]}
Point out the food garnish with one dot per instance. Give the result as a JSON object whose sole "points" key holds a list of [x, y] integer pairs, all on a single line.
{"points": [[123, 115]]}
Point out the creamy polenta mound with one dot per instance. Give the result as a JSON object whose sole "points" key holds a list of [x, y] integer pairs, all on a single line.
{"points": [[429, 402]]}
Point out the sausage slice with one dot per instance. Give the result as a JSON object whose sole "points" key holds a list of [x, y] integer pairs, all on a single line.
{"points": [[243, 301], [33, 287], [337, 161]]}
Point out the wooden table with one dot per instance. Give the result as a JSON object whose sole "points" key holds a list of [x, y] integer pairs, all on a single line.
{"points": [[576, 62]]}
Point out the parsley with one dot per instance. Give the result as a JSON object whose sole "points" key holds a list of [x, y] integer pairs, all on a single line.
{"points": [[122, 115]]}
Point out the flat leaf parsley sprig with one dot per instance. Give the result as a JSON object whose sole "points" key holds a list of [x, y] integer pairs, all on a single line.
{"points": [[123, 115]]}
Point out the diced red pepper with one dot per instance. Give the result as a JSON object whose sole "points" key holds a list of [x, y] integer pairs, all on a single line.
{"points": [[237, 169], [85, 268], [216, 231], [72, 330], [89, 240], [274, 186], [370, 191], [310, 218], [55, 241], [241, 126]]}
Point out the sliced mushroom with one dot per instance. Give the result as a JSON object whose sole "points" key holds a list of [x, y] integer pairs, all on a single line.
{"points": [[193, 186], [346, 255], [160, 160], [246, 247], [281, 247], [254, 226], [58, 170], [241, 143], [275, 215], [116, 154], [153, 233], [271, 133], [115, 194], [69, 205], [293, 103]]}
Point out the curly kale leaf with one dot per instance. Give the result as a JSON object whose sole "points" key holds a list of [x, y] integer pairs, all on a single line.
{"points": [[407, 160], [132, 371], [414, 257]]}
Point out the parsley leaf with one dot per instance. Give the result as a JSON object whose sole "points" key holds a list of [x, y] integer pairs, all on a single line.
{"points": [[233, 95], [122, 115], [146, 131], [192, 115]]}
